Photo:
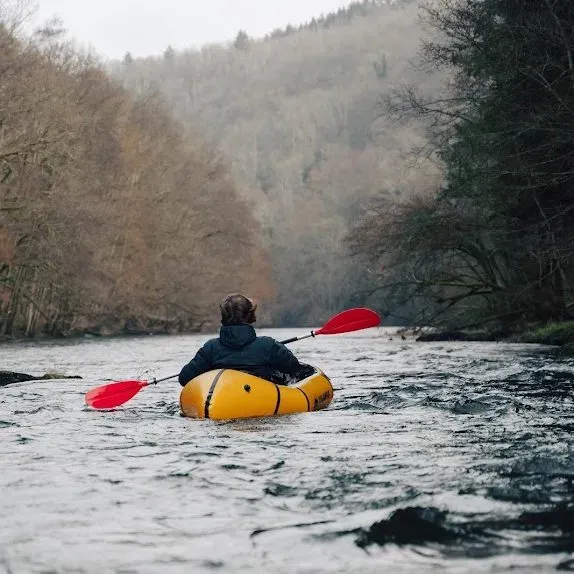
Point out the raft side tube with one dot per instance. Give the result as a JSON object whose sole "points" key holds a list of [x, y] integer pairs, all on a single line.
{"points": [[228, 394]]}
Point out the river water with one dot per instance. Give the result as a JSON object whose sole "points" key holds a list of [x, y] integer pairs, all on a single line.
{"points": [[433, 457]]}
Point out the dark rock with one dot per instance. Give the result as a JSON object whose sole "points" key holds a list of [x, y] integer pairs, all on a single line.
{"points": [[566, 565], [9, 377], [411, 525], [443, 336], [49, 376], [562, 517], [465, 335]]}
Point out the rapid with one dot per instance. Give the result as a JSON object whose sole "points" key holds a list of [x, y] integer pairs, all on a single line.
{"points": [[432, 457]]}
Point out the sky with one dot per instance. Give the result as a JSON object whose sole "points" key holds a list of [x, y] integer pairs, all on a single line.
{"points": [[146, 27]]}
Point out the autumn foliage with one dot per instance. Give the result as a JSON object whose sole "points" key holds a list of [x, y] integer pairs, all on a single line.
{"points": [[112, 219]]}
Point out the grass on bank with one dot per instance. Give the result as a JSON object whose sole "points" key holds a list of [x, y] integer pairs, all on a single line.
{"points": [[561, 334]]}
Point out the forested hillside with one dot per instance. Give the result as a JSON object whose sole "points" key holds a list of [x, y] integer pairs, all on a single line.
{"points": [[271, 166], [494, 245], [298, 116], [112, 217]]}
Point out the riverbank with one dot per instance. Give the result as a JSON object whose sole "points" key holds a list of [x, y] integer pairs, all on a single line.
{"points": [[559, 334], [555, 334], [104, 334]]}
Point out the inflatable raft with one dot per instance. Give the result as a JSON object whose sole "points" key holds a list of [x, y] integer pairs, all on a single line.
{"points": [[228, 394]]}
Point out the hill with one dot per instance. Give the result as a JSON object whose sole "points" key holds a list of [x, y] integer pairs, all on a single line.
{"points": [[298, 116]]}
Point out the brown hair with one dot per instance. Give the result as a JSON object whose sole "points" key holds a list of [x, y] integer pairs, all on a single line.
{"points": [[237, 309]]}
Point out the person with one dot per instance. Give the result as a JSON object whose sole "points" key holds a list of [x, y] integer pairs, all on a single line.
{"points": [[238, 347]]}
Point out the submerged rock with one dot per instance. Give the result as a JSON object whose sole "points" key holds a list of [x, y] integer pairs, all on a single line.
{"points": [[477, 536], [464, 335], [10, 377], [443, 336], [411, 525]]}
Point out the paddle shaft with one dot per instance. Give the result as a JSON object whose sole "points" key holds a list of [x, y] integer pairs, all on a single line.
{"points": [[156, 381], [292, 339]]}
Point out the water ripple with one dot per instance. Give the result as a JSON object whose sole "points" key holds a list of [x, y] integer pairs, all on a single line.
{"points": [[432, 457]]}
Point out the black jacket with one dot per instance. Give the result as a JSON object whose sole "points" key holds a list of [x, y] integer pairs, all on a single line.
{"points": [[238, 347]]}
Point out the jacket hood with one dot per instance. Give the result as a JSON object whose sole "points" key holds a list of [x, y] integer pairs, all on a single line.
{"points": [[237, 336]]}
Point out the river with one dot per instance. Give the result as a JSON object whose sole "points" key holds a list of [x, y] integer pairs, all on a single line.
{"points": [[460, 454]]}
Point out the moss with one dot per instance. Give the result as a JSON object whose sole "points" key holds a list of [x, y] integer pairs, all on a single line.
{"points": [[561, 334]]}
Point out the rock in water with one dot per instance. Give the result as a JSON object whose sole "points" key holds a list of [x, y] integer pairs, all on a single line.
{"points": [[7, 378]]}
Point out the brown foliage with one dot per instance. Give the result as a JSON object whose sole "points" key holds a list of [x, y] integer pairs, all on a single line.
{"points": [[111, 218]]}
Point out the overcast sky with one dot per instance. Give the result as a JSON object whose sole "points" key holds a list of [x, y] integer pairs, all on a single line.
{"points": [[144, 27]]}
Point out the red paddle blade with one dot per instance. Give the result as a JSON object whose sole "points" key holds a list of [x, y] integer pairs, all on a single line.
{"points": [[114, 394], [350, 320]]}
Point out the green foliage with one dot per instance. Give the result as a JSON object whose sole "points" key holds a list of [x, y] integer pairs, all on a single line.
{"points": [[495, 244], [552, 334]]}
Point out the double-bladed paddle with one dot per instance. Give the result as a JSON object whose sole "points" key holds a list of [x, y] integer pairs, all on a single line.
{"points": [[116, 394]]}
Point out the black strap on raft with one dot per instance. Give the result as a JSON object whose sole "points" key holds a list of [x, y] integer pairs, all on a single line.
{"points": [[210, 393], [306, 397], [278, 399]]}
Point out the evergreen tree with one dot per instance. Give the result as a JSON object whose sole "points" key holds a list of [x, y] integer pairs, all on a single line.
{"points": [[496, 243], [169, 53], [241, 41]]}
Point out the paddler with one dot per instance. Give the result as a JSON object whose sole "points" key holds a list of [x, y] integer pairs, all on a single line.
{"points": [[238, 347]]}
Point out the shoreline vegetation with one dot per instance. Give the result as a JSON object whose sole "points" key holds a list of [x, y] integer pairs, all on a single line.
{"points": [[492, 246], [559, 334], [135, 194]]}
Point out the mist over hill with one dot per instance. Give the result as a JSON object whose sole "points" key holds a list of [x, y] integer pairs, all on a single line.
{"points": [[297, 114]]}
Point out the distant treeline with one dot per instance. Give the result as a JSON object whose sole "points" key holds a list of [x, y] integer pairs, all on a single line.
{"points": [[494, 245], [112, 219], [339, 17], [298, 116]]}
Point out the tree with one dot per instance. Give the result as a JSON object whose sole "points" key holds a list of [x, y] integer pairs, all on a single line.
{"points": [[494, 245], [112, 218], [241, 41], [169, 53], [297, 116]]}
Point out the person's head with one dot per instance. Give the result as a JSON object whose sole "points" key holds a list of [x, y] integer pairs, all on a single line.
{"points": [[237, 309]]}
